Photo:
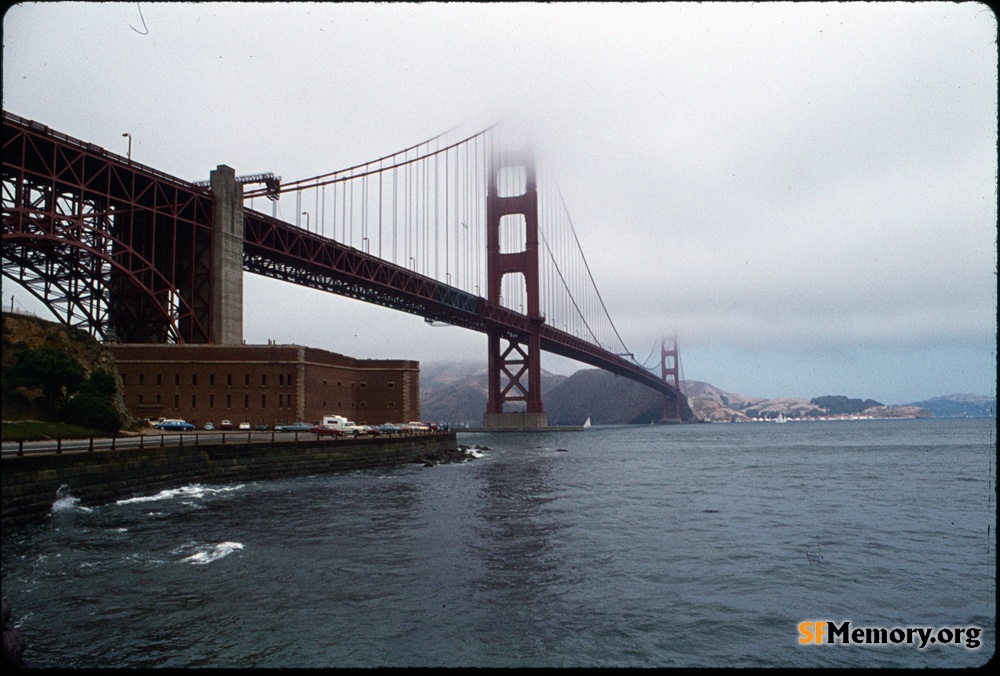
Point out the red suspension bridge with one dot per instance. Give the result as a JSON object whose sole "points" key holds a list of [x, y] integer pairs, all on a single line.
{"points": [[458, 229]]}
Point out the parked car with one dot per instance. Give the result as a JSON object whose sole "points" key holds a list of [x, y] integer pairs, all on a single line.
{"points": [[209, 425], [244, 425], [174, 426], [326, 430], [389, 428], [225, 425], [261, 427], [293, 427]]}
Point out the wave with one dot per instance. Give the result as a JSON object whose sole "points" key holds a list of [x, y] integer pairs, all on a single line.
{"points": [[191, 491], [67, 503]]}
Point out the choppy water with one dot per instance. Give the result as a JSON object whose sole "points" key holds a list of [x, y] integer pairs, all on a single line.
{"points": [[695, 545]]}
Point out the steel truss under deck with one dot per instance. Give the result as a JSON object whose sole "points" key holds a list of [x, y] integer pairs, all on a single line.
{"points": [[114, 247]]}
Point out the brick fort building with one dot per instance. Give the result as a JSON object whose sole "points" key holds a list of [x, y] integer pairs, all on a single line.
{"points": [[264, 384]]}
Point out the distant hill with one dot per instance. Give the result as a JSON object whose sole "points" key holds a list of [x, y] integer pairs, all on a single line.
{"points": [[606, 399], [457, 393], [960, 406]]}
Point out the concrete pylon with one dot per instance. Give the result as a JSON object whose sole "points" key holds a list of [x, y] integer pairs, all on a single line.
{"points": [[227, 257]]}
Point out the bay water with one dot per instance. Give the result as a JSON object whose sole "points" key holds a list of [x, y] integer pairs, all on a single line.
{"points": [[640, 546]]}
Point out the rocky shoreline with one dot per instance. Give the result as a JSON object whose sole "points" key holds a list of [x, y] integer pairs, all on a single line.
{"points": [[448, 456]]}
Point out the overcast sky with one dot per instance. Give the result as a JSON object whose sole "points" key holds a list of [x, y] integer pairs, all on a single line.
{"points": [[805, 193]]}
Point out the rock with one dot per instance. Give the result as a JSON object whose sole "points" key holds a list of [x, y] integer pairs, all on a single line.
{"points": [[13, 641]]}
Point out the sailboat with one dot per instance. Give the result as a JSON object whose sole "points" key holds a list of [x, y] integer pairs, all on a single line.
{"points": [[781, 418], [586, 425]]}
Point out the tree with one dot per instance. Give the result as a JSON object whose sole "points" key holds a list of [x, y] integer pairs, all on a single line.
{"points": [[53, 371], [839, 404], [92, 410], [100, 382]]}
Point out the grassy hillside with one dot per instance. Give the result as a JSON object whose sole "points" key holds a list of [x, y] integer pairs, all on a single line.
{"points": [[24, 332]]}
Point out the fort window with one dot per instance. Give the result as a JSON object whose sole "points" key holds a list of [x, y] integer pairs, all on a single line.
{"points": [[140, 399], [141, 378], [177, 379], [281, 379], [246, 401], [229, 379], [390, 405], [211, 401], [390, 385], [362, 405], [229, 401], [159, 378], [194, 378], [246, 378], [194, 401], [263, 401], [324, 381], [177, 401], [158, 399], [211, 379], [263, 379], [363, 385]]}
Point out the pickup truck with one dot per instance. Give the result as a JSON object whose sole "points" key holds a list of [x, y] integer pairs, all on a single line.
{"points": [[341, 426]]}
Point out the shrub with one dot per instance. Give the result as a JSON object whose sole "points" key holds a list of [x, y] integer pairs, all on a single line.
{"points": [[93, 410]]}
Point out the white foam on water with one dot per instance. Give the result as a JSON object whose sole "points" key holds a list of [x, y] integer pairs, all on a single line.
{"points": [[208, 553], [191, 491], [67, 503]]}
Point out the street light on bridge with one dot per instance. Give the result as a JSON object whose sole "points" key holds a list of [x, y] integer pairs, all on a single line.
{"points": [[306, 214], [129, 145]]}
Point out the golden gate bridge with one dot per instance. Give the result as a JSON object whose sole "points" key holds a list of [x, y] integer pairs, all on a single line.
{"points": [[459, 229]]}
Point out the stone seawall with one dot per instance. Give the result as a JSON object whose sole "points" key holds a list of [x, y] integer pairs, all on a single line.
{"points": [[31, 482]]}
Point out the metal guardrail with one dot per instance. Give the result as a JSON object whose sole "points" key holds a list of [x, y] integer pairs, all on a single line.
{"points": [[22, 447]]}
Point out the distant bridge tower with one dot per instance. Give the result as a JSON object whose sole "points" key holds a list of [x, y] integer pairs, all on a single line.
{"points": [[670, 372], [515, 371]]}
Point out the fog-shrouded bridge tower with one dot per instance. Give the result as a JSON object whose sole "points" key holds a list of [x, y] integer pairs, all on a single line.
{"points": [[515, 371]]}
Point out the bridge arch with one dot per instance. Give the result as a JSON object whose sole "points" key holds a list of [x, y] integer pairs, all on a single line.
{"points": [[87, 287]]}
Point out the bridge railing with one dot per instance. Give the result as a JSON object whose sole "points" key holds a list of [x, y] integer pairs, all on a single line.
{"points": [[99, 150]]}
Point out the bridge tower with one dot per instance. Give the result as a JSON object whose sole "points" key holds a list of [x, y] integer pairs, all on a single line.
{"points": [[670, 372], [515, 371]]}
